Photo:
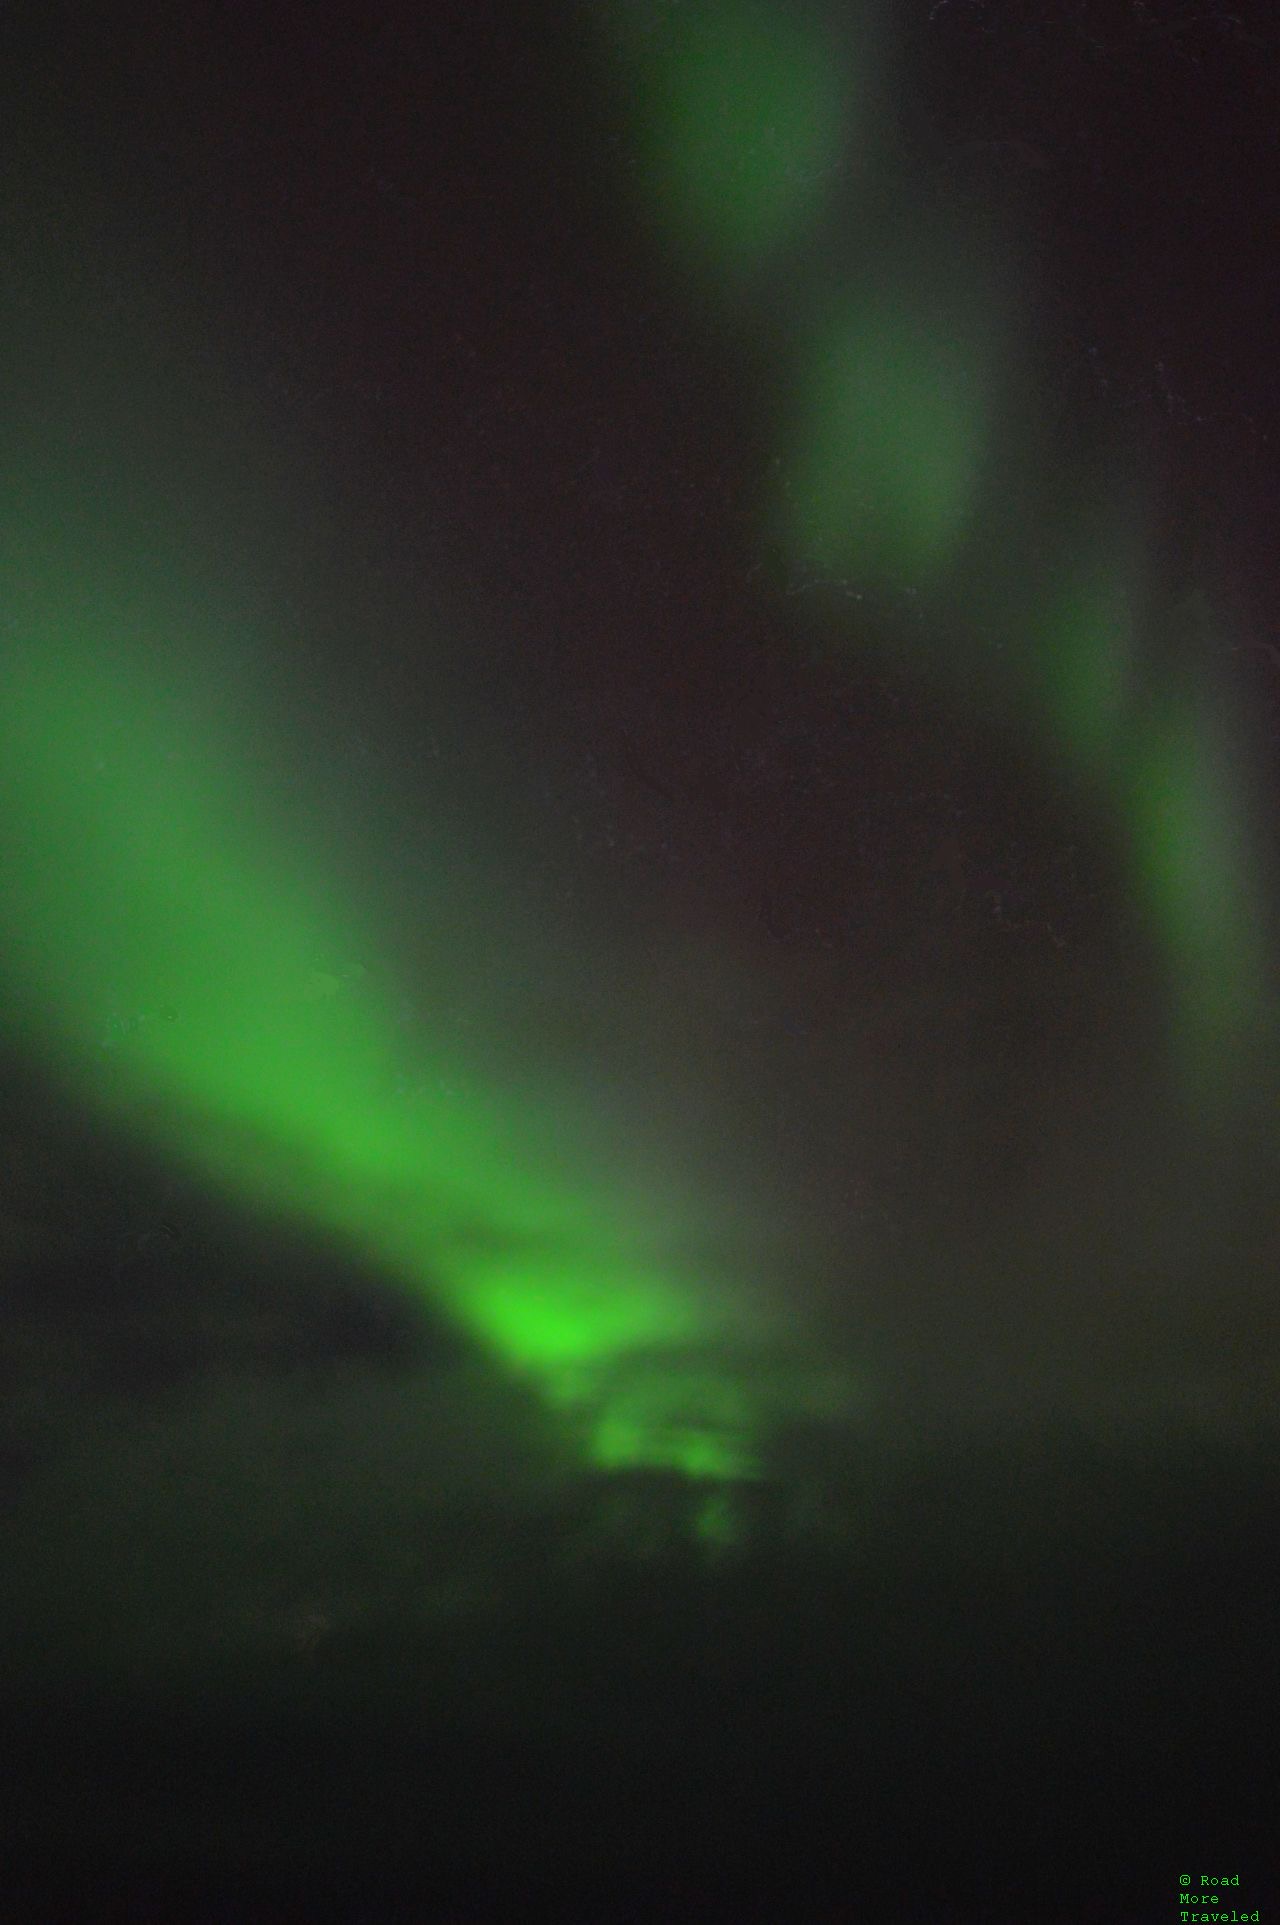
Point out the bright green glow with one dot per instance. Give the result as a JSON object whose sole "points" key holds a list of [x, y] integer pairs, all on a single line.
{"points": [[1191, 855], [660, 1416], [743, 117], [886, 446], [549, 1312], [174, 952], [148, 880]]}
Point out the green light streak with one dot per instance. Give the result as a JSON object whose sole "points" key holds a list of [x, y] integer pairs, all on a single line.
{"points": [[147, 871]]}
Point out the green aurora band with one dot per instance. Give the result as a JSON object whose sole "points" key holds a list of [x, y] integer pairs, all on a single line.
{"points": [[147, 871]]}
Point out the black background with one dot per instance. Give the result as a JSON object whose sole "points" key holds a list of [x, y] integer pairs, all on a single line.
{"points": [[401, 245]]}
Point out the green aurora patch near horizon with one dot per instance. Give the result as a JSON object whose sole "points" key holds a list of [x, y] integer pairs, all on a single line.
{"points": [[146, 870]]}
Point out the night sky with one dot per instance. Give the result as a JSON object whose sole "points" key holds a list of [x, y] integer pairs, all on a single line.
{"points": [[638, 1022]]}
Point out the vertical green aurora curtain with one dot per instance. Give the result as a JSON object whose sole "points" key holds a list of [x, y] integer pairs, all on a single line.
{"points": [[766, 165]]}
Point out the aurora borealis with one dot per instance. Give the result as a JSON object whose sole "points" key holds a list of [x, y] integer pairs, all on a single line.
{"points": [[895, 431], [637, 869], [147, 877]]}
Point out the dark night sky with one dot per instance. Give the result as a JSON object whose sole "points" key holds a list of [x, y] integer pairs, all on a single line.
{"points": [[731, 865], [408, 251]]}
